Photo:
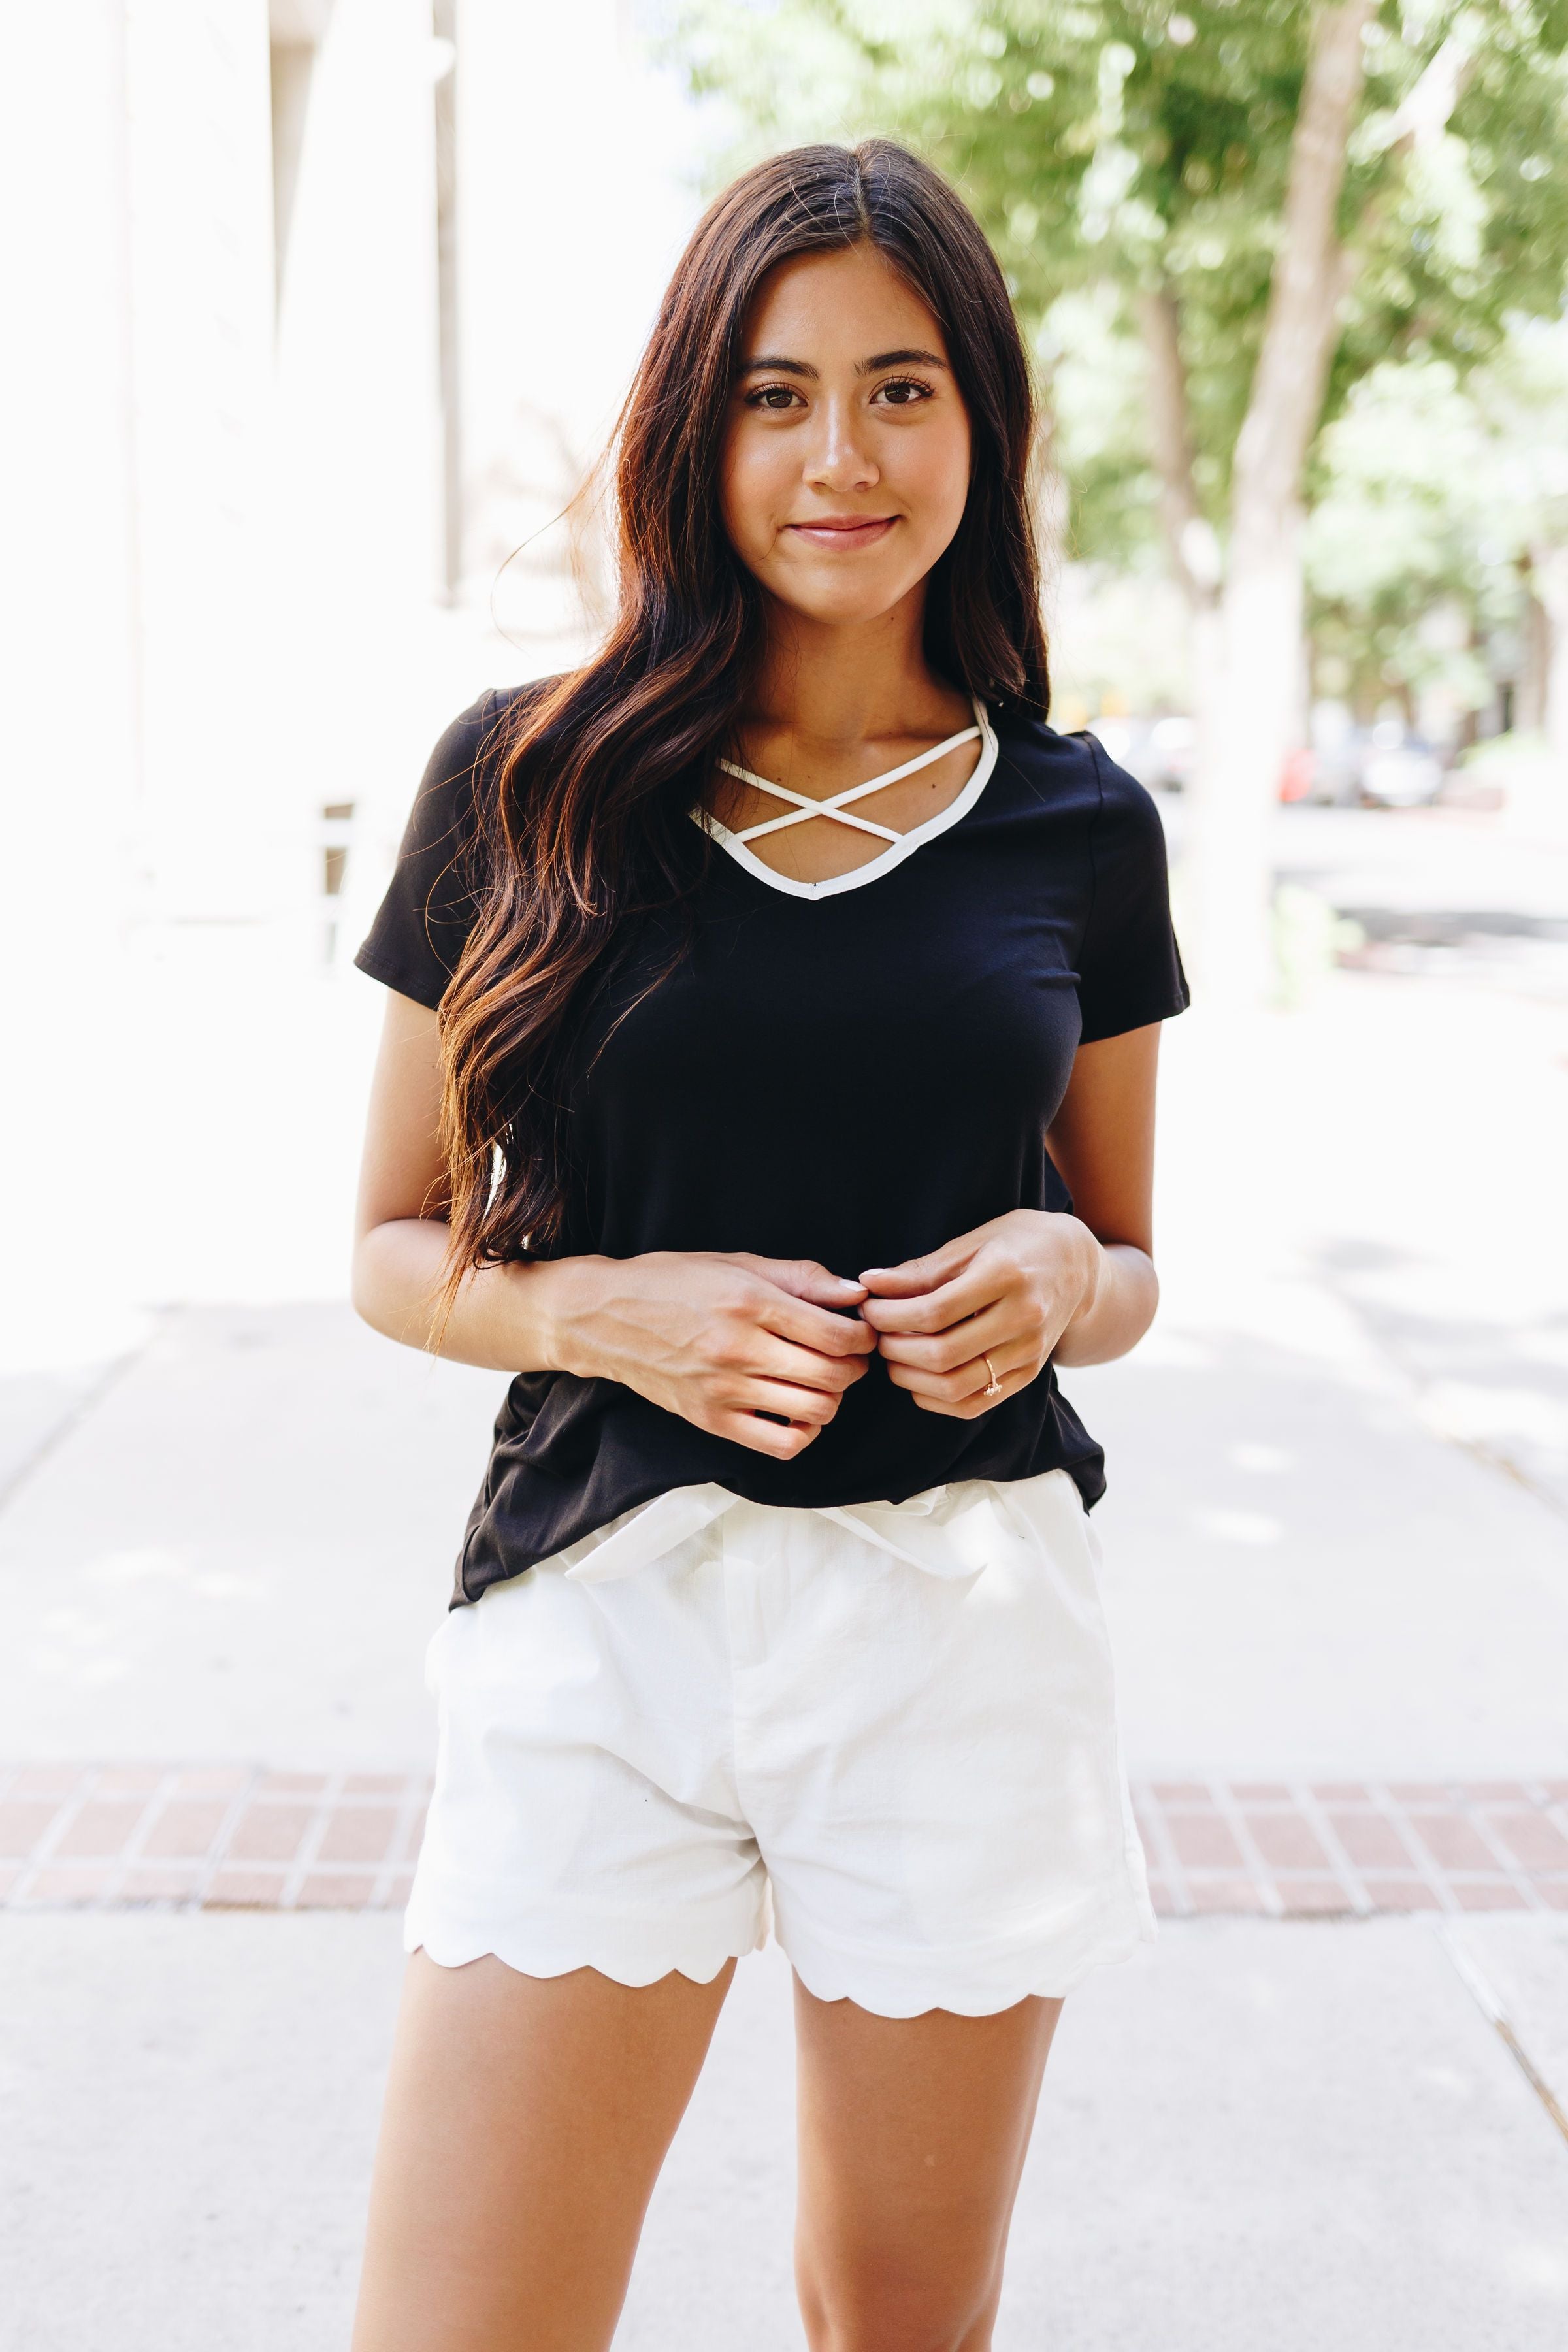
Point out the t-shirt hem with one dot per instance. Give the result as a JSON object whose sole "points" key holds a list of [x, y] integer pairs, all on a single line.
{"points": [[391, 975], [483, 1563], [1123, 1026]]}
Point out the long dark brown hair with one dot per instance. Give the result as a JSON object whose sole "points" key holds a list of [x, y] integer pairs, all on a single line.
{"points": [[588, 825]]}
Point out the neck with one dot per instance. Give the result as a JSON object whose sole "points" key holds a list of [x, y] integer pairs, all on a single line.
{"points": [[841, 685]]}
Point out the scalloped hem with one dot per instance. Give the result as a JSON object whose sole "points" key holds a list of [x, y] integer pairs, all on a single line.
{"points": [[889, 1985], [624, 1950], [886, 1984]]}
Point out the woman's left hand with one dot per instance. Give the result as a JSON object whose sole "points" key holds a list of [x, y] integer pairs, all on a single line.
{"points": [[1006, 1292]]}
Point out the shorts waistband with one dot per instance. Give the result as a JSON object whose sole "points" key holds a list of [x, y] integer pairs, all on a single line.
{"points": [[952, 1531]]}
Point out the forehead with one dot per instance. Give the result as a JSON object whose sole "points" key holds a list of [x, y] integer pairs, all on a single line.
{"points": [[844, 304]]}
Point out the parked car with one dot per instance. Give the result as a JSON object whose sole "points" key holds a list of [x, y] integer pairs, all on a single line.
{"points": [[1169, 754], [1398, 769], [1383, 766], [1158, 751]]}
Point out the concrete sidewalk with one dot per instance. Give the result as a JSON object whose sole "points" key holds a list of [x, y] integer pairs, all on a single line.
{"points": [[1253, 2136], [240, 1551], [1337, 1548]]}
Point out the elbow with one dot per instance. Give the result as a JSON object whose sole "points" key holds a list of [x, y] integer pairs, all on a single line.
{"points": [[367, 1292], [1150, 1303], [394, 1282]]}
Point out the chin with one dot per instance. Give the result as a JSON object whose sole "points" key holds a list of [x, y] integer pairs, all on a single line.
{"points": [[843, 604]]}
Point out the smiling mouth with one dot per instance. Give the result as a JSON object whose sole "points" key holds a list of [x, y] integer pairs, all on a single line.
{"points": [[844, 531]]}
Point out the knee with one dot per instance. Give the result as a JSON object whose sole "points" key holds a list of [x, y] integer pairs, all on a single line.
{"points": [[892, 2315]]}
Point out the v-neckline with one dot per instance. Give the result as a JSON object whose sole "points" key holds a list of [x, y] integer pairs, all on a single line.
{"points": [[899, 846]]}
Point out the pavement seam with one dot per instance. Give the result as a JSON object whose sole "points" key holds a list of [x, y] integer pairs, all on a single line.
{"points": [[213, 1861], [82, 1408], [1150, 1810], [1480, 1986], [1316, 1815], [1425, 1864], [1229, 1807], [1520, 1880], [400, 1855], [48, 1845], [1421, 1385], [308, 1852]]}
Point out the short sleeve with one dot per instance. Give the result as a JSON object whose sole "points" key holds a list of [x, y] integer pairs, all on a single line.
{"points": [[423, 923], [1130, 967]]}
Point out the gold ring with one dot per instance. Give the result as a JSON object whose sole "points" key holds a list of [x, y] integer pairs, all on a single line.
{"points": [[995, 1386]]}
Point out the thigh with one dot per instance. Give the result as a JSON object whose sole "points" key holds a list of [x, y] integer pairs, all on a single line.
{"points": [[913, 2132], [525, 2123]]}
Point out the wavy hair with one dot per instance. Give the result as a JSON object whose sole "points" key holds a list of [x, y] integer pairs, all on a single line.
{"points": [[587, 825]]}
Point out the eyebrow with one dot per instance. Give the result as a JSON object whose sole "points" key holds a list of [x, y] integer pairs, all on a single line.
{"points": [[779, 366]]}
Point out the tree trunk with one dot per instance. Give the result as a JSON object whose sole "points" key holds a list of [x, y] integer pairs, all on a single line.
{"points": [[1549, 571], [1191, 546], [1229, 884], [1534, 654]]}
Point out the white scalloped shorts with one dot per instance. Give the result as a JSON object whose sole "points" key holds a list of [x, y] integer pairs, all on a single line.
{"points": [[886, 1731]]}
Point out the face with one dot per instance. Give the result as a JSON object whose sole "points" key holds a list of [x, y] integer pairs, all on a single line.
{"points": [[847, 455]]}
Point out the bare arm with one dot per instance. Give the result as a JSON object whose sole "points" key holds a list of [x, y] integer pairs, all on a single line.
{"points": [[1103, 1144], [505, 1315], [719, 1340], [1033, 1284]]}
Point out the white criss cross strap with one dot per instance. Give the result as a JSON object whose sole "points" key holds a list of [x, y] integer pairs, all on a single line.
{"points": [[837, 804]]}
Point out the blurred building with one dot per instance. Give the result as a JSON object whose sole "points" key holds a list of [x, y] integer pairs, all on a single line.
{"points": [[320, 307]]}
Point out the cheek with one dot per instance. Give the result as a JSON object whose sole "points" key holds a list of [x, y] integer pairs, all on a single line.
{"points": [[749, 490], [937, 483]]}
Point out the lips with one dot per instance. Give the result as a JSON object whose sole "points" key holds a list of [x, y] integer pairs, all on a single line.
{"points": [[843, 533]]}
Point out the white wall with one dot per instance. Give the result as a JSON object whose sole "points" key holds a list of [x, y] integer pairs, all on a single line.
{"points": [[354, 550], [575, 199], [222, 587], [67, 511], [198, 261]]}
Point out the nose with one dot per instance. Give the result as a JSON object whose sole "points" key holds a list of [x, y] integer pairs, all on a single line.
{"points": [[839, 459]]}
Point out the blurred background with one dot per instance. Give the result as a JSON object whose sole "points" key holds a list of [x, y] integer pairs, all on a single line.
{"points": [[321, 311]]}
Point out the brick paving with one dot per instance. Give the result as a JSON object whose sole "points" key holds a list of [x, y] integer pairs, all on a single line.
{"points": [[193, 1837], [189, 1837], [1350, 1849]]}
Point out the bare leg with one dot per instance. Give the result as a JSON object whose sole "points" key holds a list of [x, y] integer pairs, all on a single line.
{"points": [[912, 2136], [525, 2123]]}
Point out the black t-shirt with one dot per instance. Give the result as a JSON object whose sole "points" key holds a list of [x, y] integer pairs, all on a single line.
{"points": [[855, 1072]]}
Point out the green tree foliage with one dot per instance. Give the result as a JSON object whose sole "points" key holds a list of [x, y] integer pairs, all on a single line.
{"points": [[1440, 516], [1149, 147]]}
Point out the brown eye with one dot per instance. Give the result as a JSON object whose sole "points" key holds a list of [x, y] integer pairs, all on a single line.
{"points": [[904, 392], [771, 396]]}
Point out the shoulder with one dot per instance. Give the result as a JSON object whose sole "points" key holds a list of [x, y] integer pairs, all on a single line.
{"points": [[1052, 774], [1075, 774], [478, 737], [464, 767], [438, 881], [1130, 818]]}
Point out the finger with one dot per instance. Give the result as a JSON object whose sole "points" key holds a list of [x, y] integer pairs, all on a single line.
{"points": [[985, 1334], [964, 1390], [918, 1274], [784, 1440], [806, 1277], [777, 1360], [969, 1294], [826, 1334], [782, 1399]]}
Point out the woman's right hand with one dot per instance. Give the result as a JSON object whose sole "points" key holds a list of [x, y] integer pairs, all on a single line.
{"points": [[719, 1338]]}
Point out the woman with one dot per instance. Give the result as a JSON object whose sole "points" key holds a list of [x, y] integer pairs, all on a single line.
{"points": [[741, 980]]}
